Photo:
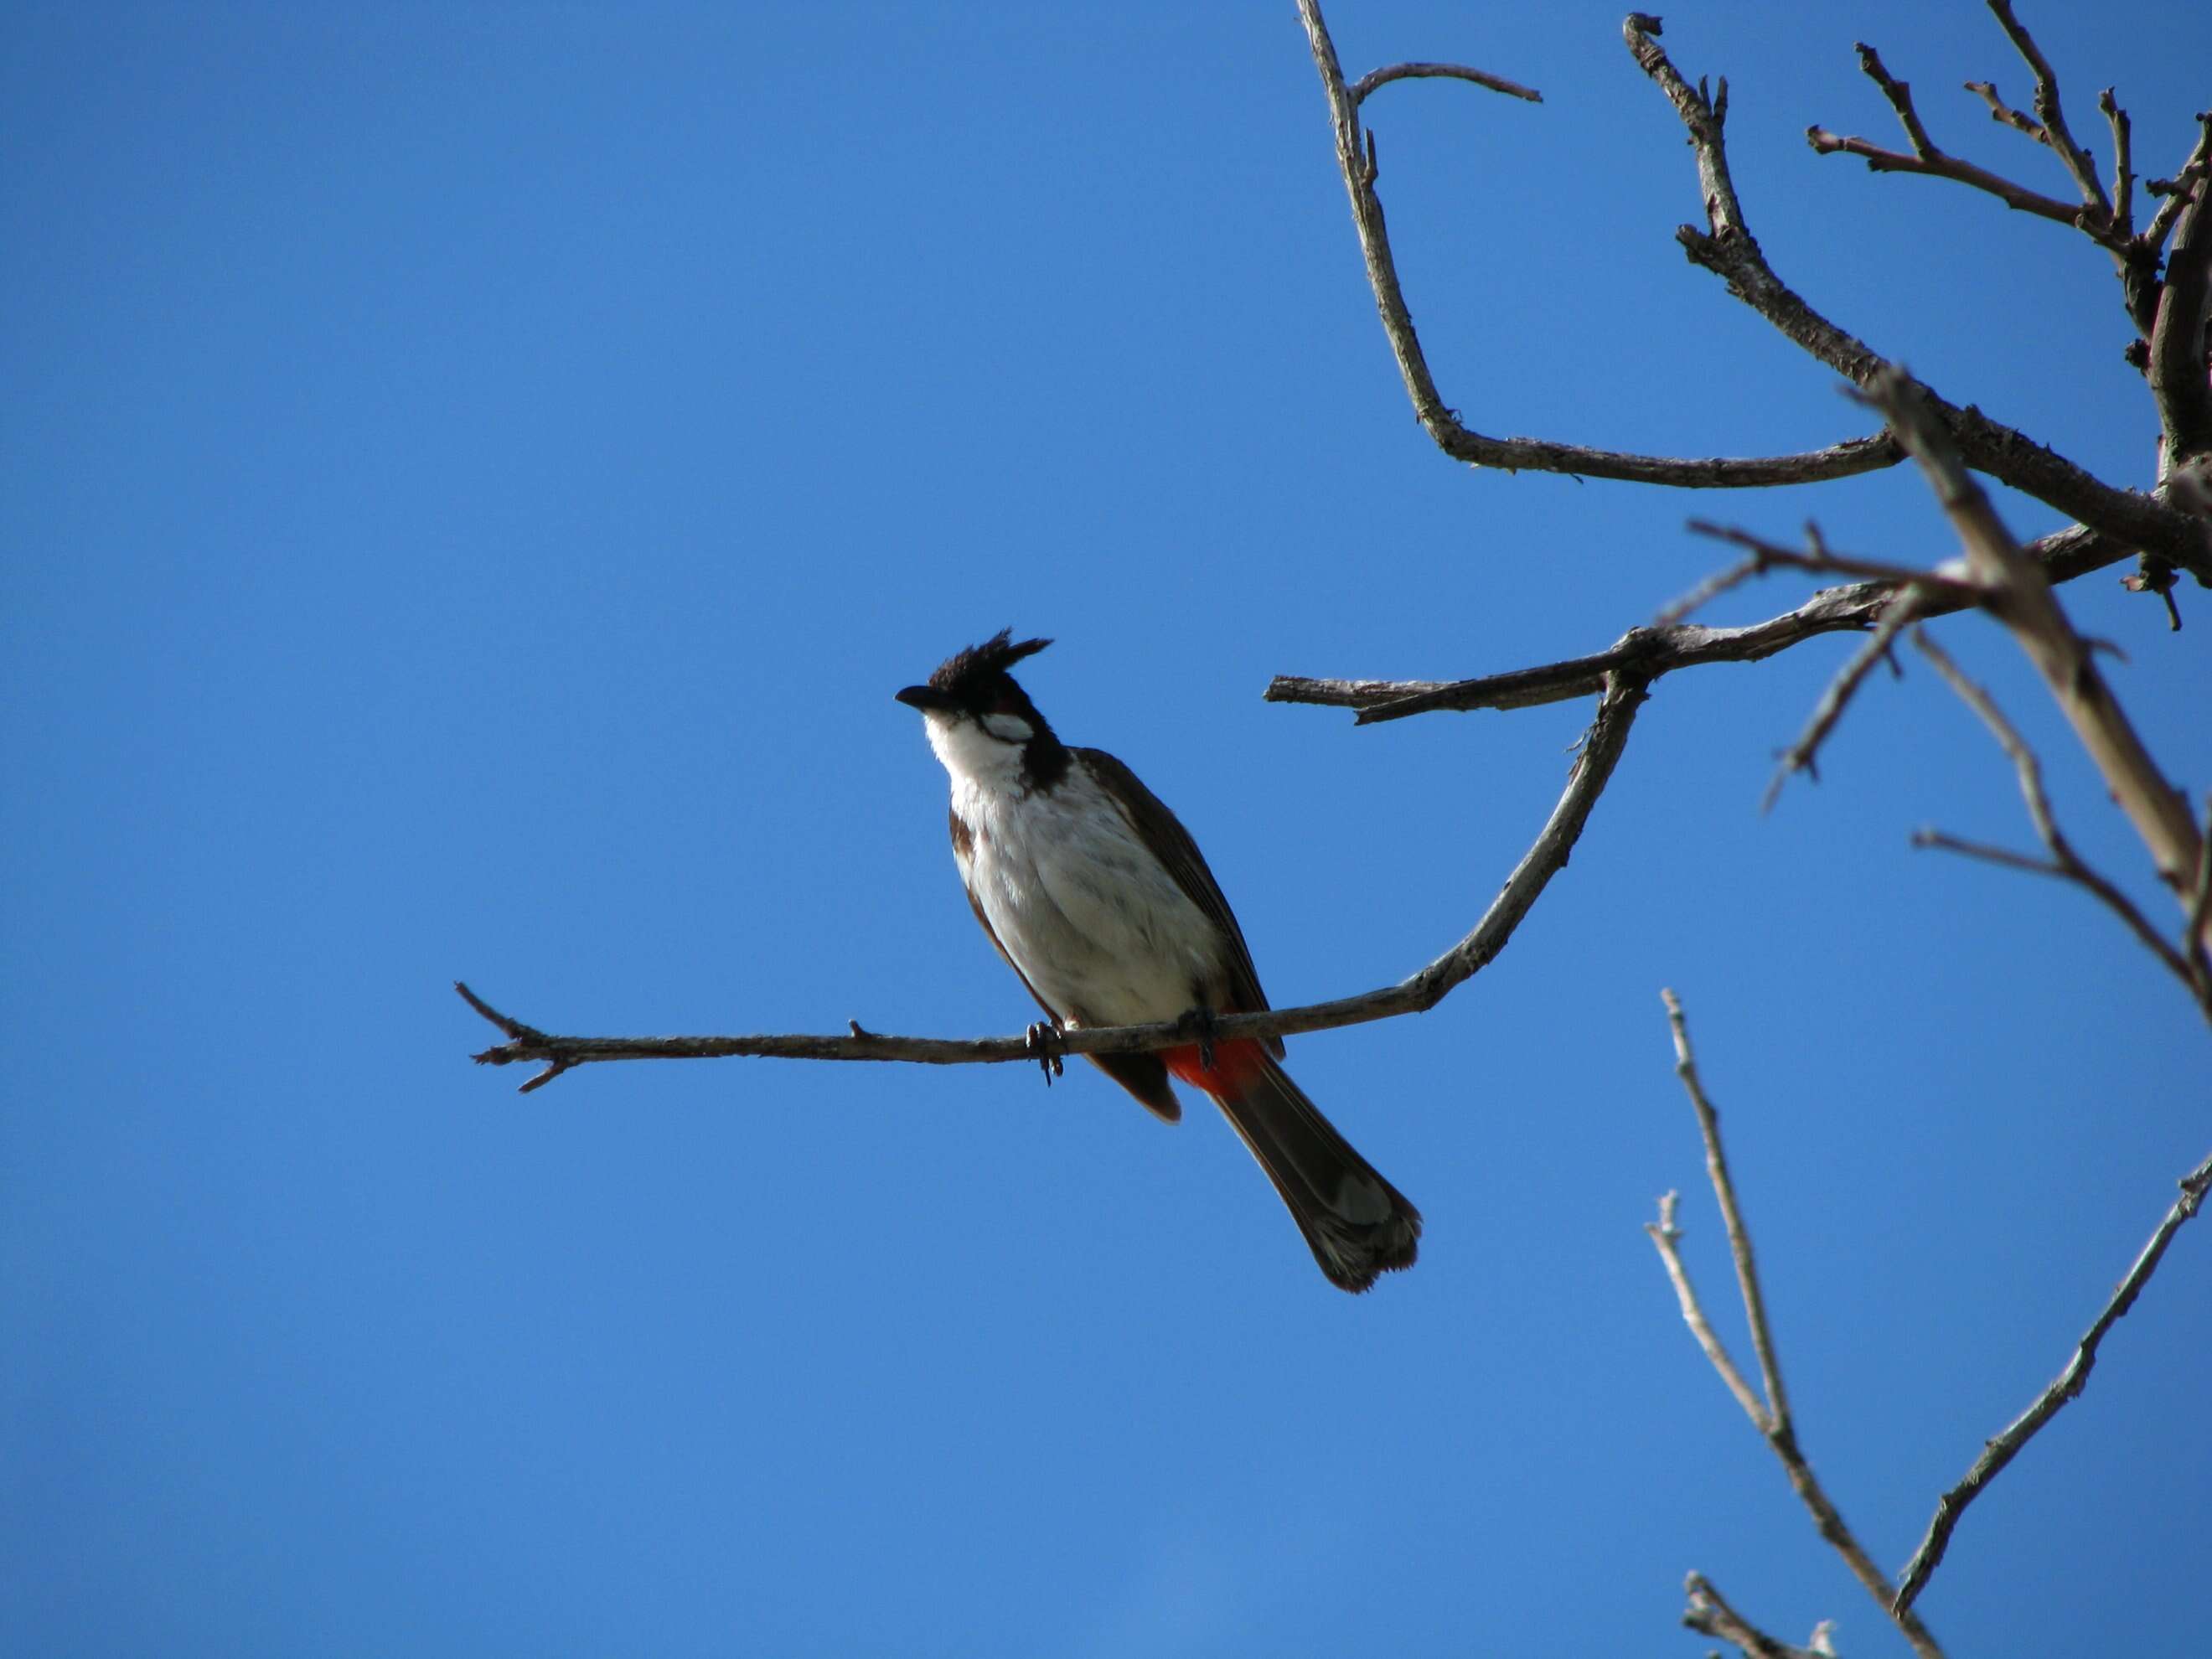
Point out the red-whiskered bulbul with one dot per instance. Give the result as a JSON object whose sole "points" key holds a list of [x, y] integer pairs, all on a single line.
{"points": [[1099, 899]]}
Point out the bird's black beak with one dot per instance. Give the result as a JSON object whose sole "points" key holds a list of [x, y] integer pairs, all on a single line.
{"points": [[924, 697]]}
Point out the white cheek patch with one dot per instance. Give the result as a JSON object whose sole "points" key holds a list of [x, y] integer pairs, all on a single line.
{"points": [[1009, 728], [973, 755]]}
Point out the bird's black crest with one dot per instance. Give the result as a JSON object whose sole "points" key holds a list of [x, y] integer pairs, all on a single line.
{"points": [[985, 661]]}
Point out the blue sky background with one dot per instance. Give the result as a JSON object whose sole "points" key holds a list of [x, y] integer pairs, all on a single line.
{"points": [[474, 476]]}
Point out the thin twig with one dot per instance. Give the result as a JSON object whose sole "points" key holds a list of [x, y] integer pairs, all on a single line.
{"points": [[1771, 1418], [2064, 862], [1938, 164], [1899, 94], [1666, 1238], [1601, 751], [1816, 558], [2068, 1385], [1711, 588], [1800, 755], [1710, 1614], [2124, 175], [2109, 222], [2004, 113], [1988, 853], [1931, 160], [1821, 560], [2051, 115], [2175, 194]]}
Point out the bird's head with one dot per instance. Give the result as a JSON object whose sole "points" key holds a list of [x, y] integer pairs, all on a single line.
{"points": [[981, 721]]}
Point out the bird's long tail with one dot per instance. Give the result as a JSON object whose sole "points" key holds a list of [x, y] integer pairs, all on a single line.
{"points": [[1358, 1224]]}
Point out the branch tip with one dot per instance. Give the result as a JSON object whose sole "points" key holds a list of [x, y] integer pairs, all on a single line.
{"points": [[2068, 1385], [484, 1008]]}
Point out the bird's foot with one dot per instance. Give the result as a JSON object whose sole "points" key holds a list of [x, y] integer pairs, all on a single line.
{"points": [[1044, 1044], [1198, 1025]]}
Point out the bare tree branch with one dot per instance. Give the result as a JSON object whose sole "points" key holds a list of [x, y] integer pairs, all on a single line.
{"points": [[2169, 313], [2110, 226], [2020, 596], [1383, 77], [1726, 248], [1767, 555], [1930, 160], [2068, 1385], [1357, 159], [1913, 588], [1771, 1419], [2064, 862], [1601, 748], [1710, 1614], [1653, 652], [2141, 522]]}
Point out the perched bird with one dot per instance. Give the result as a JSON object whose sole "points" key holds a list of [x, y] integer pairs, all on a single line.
{"points": [[1100, 900]]}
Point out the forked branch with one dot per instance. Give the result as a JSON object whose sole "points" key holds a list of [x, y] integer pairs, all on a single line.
{"points": [[2019, 595], [2170, 311], [1771, 1416], [1357, 159], [2064, 862], [1726, 248], [1930, 160], [2145, 524]]}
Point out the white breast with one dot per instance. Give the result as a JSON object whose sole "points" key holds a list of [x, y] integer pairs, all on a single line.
{"points": [[1093, 920]]}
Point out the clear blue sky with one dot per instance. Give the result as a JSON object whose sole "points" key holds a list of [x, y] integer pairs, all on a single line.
{"points": [[474, 478]]}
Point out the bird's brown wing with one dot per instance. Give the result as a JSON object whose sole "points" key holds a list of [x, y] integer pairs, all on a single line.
{"points": [[1163, 832]]}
